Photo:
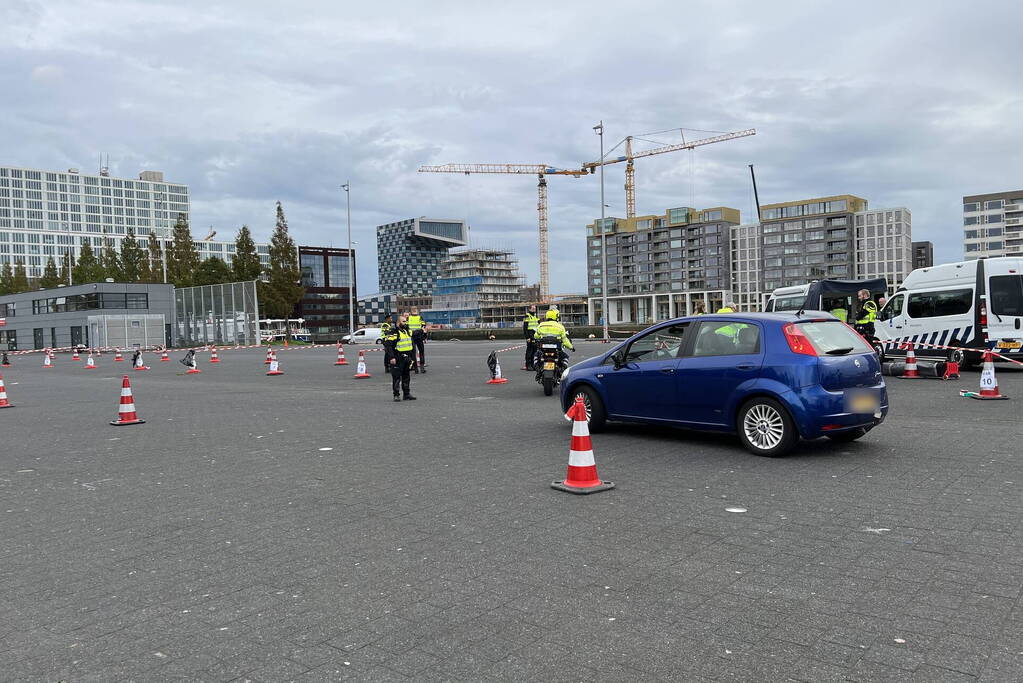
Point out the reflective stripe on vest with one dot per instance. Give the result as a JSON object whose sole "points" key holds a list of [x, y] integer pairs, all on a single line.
{"points": [[415, 322], [404, 342]]}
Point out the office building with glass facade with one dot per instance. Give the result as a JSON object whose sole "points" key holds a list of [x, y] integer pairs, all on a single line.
{"points": [[409, 253], [328, 278], [993, 224]]}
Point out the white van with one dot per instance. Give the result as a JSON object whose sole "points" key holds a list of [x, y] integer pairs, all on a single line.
{"points": [[363, 334], [971, 304]]}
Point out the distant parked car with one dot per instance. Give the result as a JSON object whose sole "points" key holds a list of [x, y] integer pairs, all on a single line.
{"points": [[363, 334], [771, 378]]}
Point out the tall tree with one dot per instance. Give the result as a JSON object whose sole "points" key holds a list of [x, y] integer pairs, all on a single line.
{"points": [[213, 271], [20, 283], [283, 290], [246, 265], [66, 264], [182, 256], [132, 258], [111, 261], [6, 280], [50, 278], [88, 269], [155, 259]]}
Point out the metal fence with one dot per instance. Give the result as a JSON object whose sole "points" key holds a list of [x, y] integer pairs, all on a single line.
{"points": [[216, 314], [144, 330]]}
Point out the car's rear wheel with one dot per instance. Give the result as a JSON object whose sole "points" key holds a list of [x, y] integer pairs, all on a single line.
{"points": [[765, 427], [595, 413], [848, 435]]}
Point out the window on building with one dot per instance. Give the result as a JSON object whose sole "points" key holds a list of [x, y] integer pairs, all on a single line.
{"points": [[993, 204], [971, 206]]}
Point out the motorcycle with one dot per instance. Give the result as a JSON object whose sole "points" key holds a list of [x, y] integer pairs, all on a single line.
{"points": [[550, 364]]}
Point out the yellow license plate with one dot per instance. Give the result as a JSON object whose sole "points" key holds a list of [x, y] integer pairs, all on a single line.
{"points": [[1009, 345], [548, 366]]}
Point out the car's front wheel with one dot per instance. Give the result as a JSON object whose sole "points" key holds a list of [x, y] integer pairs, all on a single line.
{"points": [[595, 412], [765, 427]]}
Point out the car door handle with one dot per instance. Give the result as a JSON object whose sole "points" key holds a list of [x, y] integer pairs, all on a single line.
{"points": [[667, 371], [745, 366]]}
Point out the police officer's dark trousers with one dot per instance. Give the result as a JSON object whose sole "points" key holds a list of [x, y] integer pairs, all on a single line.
{"points": [[530, 352], [419, 347], [400, 373]]}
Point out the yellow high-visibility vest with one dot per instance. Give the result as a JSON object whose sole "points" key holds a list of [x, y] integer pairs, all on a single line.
{"points": [[415, 322], [404, 344]]}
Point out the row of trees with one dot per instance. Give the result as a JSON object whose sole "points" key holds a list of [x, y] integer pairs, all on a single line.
{"points": [[180, 266]]}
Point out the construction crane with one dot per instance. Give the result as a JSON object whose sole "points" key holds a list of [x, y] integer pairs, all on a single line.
{"points": [[630, 156], [541, 171]]}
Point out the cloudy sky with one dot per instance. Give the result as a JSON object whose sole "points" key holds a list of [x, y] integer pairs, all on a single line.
{"points": [[905, 103]]}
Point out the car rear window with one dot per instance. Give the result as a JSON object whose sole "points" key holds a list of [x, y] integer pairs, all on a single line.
{"points": [[831, 335]]}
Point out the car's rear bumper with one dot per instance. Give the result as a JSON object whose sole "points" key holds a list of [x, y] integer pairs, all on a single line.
{"points": [[818, 412]]}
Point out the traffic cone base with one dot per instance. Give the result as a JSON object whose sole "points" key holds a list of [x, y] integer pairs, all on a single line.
{"points": [[126, 414], [193, 371], [497, 380], [275, 368], [581, 477]]}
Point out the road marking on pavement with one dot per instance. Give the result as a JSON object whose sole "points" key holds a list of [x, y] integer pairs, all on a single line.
{"points": [[326, 448], [878, 531], [735, 508]]}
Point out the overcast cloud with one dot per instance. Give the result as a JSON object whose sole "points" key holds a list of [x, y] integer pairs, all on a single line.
{"points": [[904, 103]]}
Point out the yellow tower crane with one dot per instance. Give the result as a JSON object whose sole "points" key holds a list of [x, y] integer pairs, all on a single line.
{"points": [[541, 171], [630, 155]]}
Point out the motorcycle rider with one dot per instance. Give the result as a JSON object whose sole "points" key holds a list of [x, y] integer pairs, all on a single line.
{"points": [[550, 327], [866, 314]]}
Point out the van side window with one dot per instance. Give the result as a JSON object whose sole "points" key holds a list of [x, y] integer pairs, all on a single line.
{"points": [[936, 304], [1006, 294], [892, 309]]}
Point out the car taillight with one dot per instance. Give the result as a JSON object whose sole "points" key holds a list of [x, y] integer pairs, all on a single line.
{"points": [[798, 342]]}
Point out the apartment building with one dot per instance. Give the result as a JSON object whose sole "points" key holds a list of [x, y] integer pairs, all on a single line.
{"points": [[884, 245], [993, 224]]}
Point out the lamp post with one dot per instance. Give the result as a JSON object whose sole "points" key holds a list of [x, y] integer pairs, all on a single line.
{"points": [[604, 313], [351, 261]]}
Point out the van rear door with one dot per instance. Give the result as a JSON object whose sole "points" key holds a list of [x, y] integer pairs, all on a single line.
{"points": [[1005, 304]]}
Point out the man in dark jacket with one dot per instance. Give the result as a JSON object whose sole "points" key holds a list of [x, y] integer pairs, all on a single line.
{"points": [[529, 323], [401, 358]]}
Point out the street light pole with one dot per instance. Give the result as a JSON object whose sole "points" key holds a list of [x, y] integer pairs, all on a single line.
{"points": [[604, 313], [351, 261]]}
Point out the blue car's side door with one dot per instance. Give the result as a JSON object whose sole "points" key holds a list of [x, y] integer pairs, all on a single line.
{"points": [[642, 384], [724, 355]]}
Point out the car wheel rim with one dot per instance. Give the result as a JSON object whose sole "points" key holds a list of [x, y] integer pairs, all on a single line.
{"points": [[763, 426], [587, 404]]}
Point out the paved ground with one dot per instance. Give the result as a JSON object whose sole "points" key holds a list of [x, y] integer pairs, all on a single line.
{"points": [[223, 541]]}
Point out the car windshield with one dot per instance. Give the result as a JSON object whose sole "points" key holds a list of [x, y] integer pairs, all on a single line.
{"points": [[831, 335]]}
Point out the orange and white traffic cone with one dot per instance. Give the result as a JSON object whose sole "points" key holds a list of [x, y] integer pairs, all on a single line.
{"points": [[74, 355], [360, 368], [340, 356], [269, 355], [582, 469], [214, 358], [139, 364], [4, 403], [90, 363], [126, 414], [988, 382], [117, 356], [165, 357], [47, 362], [275, 368], [495, 375], [911, 371]]}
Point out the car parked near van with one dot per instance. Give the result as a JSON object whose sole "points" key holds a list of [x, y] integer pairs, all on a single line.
{"points": [[770, 378]]}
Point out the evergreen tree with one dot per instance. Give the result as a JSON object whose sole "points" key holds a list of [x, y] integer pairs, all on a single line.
{"points": [[66, 263], [213, 271], [50, 278], [155, 260], [182, 256], [88, 269], [284, 290], [6, 280], [20, 283], [246, 265], [111, 261], [132, 258]]}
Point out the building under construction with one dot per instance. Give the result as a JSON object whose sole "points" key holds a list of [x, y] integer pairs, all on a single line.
{"points": [[470, 280]]}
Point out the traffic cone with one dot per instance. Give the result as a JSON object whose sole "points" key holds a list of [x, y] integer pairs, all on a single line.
{"points": [[165, 357], [275, 368], [117, 356], [4, 403], [47, 363], [360, 368], [139, 365], [214, 358], [90, 364], [74, 355], [5, 361], [911, 371], [340, 356], [495, 374], [582, 469], [126, 411], [988, 382]]}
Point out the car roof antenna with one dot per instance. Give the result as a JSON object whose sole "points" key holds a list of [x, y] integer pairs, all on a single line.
{"points": [[799, 312]]}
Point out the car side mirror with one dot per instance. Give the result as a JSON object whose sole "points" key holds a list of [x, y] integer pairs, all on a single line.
{"points": [[618, 358]]}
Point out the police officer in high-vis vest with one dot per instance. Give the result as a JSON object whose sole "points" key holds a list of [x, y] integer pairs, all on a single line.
{"points": [[385, 330], [866, 313], [529, 323], [401, 358], [416, 324]]}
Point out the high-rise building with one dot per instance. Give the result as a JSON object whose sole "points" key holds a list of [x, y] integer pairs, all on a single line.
{"points": [[470, 280], [52, 213], [409, 252], [660, 266], [923, 255], [993, 224], [327, 278], [884, 245]]}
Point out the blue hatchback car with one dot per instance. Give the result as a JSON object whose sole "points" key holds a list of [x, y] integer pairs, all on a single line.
{"points": [[772, 378]]}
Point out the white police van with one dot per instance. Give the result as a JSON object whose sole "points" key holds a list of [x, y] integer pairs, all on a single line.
{"points": [[970, 304]]}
